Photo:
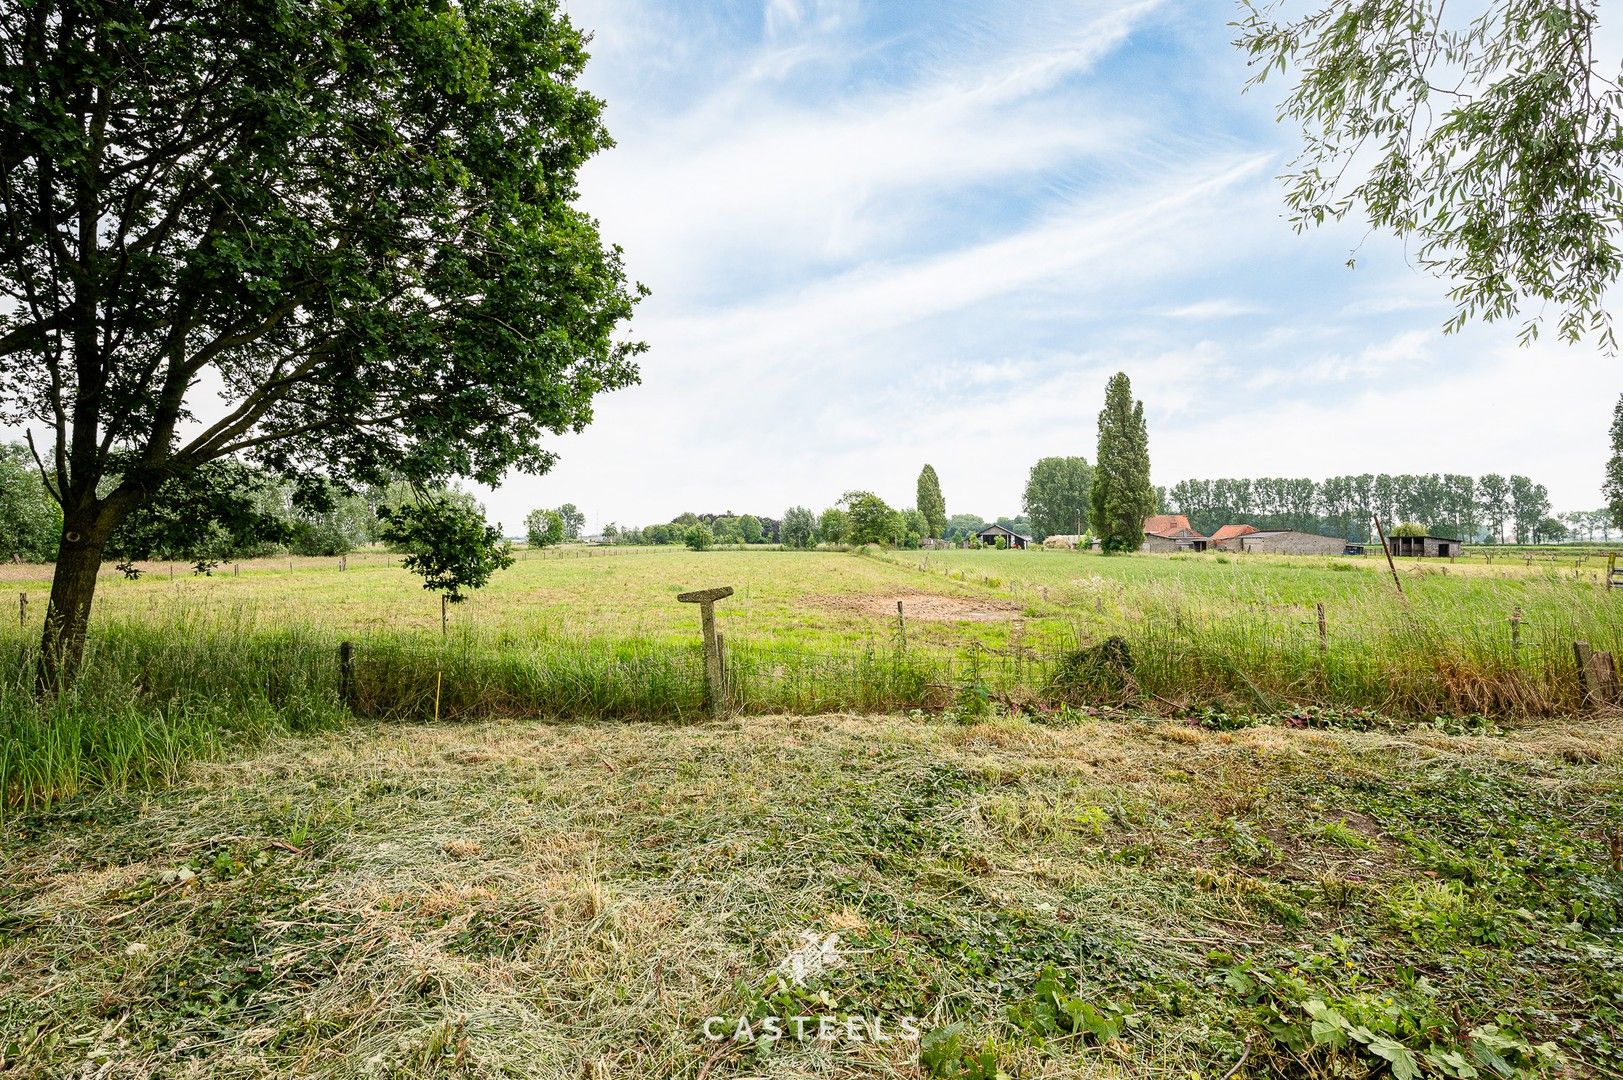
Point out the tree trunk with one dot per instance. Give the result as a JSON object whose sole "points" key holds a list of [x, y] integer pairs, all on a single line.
{"points": [[73, 587]]}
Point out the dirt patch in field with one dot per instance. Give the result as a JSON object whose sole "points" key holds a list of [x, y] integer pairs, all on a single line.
{"points": [[925, 607]]}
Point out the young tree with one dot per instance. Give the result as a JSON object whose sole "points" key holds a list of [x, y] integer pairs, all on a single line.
{"points": [[1121, 494], [833, 526], [573, 521], [544, 528], [360, 226], [931, 503], [749, 529], [1058, 493], [871, 520], [1490, 137], [447, 541], [799, 528], [1612, 487]]}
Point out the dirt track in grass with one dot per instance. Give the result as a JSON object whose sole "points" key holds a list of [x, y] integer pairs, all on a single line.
{"points": [[924, 607]]}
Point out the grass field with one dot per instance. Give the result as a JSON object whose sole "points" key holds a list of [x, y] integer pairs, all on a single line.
{"points": [[191, 665], [1114, 896], [1223, 847]]}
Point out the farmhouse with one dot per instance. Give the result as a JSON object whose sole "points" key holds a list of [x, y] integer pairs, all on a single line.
{"points": [[1423, 547], [1171, 532], [989, 537]]}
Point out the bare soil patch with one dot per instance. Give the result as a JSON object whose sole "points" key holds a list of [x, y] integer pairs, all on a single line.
{"points": [[925, 607]]}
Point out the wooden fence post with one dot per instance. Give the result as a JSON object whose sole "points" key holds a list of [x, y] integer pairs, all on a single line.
{"points": [[445, 615], [22, 609], [901, 624], [1597, 675], [1324, 633], [346, 674], [1515, 633]]}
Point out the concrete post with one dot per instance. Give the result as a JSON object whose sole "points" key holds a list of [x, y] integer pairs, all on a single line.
{"points": [[715, 694]]}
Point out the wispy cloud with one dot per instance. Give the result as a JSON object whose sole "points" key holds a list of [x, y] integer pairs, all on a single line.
{"points": [[1215, 309]]}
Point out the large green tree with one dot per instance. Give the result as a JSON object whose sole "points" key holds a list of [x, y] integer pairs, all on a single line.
{"points": [[1529, 505], [1122, 495], [574, 521], [871, 520], [1058, 493], [354, 217], [544, 528], [1488, 133], [1494, 491], [931, 503], [799, 529], [834, 526], [1613, 486]]}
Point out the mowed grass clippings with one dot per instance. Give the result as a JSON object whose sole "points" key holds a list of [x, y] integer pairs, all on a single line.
{"points": [[533, 899]]}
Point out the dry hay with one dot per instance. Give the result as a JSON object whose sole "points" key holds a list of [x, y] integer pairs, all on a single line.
{"points": [[923, 607]]}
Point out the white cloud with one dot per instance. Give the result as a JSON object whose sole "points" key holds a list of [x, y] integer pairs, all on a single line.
{"points": [[1215, 309]]}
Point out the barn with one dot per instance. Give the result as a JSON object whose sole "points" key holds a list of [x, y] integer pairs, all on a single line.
{"points": [[1224, 538], [989, 537], [1423, 547], [1288, 542]]}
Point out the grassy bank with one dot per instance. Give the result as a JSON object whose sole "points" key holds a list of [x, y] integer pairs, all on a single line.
{"points": [[1114, 896]]}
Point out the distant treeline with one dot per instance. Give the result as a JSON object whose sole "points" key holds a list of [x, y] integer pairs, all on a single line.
{"points": [[1490, 508]]}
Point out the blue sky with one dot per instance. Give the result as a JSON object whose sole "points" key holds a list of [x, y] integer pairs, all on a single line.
{"points": [[884, 234], [891, 232]]}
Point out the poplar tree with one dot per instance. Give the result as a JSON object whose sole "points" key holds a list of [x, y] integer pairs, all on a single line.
{"points": [[1122, 495], [931, 503]]}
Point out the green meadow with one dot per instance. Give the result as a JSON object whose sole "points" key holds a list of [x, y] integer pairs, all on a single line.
{"points": [[1071, 815]]}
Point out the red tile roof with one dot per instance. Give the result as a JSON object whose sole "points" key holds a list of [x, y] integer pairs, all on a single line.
{"points": [[1229, 532], [1169, 525]]}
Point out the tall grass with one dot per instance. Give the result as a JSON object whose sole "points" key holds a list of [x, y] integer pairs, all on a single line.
{"points": [[185, 682]]}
